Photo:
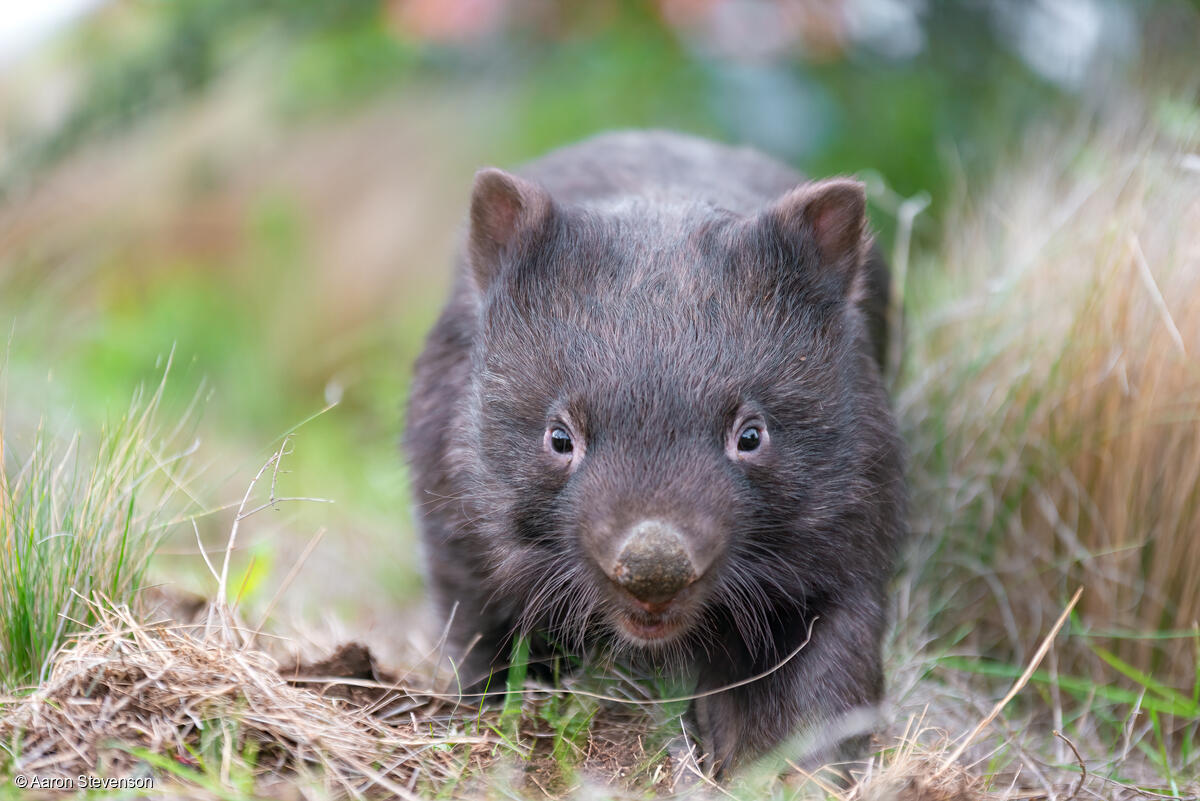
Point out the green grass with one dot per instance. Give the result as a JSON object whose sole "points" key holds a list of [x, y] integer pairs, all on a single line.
{"points": [[216, 766], [79, 520]]}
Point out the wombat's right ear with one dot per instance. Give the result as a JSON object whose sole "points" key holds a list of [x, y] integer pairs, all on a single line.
{"points": [[504, 208]]}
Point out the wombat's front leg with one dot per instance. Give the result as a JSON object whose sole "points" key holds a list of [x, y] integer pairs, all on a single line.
{"points": [[479, 634], [482, 661], [825, 697]]}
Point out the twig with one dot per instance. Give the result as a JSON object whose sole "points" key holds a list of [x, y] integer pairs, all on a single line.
{"points": [[905, 216], [1016, 688], [242, 513], [203, 552], [581, 693], [222, 581], [1083, 774]]}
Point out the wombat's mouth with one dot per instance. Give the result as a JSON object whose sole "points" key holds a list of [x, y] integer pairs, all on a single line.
{"points": [[649, 629], [652, 624], [652, 628]]}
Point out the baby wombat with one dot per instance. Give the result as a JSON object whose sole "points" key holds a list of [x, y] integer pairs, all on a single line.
{"points": [[651, 420]]}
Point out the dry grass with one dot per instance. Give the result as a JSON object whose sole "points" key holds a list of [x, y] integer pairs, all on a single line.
{"points": [[204, 702], [203, 697], [917, 771], [1052, 400], [213, 715]]}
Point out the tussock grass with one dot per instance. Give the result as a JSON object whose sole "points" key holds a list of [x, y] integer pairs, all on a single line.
{"points": [[1052, 402], [202, 703], [78, 520]]}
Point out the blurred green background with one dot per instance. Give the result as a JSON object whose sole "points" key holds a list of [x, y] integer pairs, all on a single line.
{"points": [[272, 190]]}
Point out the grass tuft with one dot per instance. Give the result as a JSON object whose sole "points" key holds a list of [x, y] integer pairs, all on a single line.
{"points": [[1052, 405], [199, 703], [1050, 397], [78, 520]]}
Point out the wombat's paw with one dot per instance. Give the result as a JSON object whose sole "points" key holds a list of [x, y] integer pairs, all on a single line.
{"points": [[719, 724]]}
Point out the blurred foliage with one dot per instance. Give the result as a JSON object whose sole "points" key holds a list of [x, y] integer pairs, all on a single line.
{"points": [[949, 75]]}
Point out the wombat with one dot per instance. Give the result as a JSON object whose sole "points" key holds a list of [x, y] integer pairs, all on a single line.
{"points": [[650, 420]]}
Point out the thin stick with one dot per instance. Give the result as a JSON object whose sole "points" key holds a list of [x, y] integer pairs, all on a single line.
{"points": [[905, 217], [203, 553], [242, 512], [1017, 685], [581, 693], [237, 519], [1082, 765]]}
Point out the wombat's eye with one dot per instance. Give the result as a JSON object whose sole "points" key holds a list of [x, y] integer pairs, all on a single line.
{"points": [[560, 441], [563, 446], [749, 438]]}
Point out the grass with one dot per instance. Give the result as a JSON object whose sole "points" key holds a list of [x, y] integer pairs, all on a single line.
{"points": [[208, 708], [79, 521], [1053, 406], [201, 703], [1051, 401]]}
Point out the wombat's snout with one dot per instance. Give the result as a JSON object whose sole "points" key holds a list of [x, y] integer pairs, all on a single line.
{"points": [[654, 563]]}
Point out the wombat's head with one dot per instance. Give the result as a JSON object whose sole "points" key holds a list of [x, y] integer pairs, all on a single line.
{"points": [[675, 421]]}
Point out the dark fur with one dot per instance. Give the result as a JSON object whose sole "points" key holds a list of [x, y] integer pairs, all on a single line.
{"points": [[652, 286]]}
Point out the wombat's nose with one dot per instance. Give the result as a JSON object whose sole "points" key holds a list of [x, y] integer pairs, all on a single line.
{"points": [[654, 564]]}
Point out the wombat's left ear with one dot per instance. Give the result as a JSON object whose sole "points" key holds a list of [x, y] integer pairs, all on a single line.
{"points": [[833, 214], [504, 208]]}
